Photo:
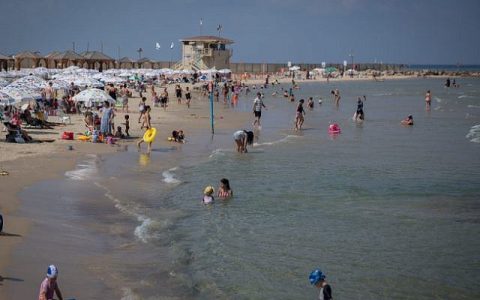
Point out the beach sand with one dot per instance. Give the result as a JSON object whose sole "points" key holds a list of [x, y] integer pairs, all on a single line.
{"points": [[27, 164]]}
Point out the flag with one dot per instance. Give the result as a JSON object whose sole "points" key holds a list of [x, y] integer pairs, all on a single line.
{"points": [[157, 46], [219, 27], [171, 45], [201, 21]]}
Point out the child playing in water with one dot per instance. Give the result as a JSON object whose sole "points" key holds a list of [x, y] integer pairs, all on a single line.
{"points": [[224, 191], [408, 121], [208, 195], [317, 278]]}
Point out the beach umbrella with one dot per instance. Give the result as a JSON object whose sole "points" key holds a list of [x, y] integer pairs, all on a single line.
{"points": [[22, 94], [331, 70], [6, 99], [93, 95], [60, 84], [294, 68], [225, 71], [3, 82], [29, 82]]}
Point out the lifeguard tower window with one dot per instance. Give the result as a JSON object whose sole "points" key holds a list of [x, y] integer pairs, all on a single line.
{"points": [[222, 46]]}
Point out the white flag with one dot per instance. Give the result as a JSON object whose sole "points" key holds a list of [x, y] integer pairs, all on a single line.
{"points": [[157, 46], [201, 22], [171, 45]]}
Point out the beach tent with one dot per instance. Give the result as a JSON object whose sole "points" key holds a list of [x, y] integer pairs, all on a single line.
{"points": [[93, 96]]}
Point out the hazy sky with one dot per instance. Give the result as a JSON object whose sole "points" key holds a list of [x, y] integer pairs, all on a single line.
{"points": [[395, 31]]}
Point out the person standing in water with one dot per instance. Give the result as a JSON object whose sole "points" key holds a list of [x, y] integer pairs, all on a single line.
{"points": [[336, 96], [49, 285], [257, 109], [359, 115], [299, 119], [147, 125], [428, 100], [317, 278], [242, 138]]}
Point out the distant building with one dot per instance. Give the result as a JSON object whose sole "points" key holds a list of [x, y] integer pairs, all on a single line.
{"points": [[205, 52]]}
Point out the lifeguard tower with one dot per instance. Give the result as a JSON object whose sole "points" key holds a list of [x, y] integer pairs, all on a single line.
{"points": [[205, 52]]}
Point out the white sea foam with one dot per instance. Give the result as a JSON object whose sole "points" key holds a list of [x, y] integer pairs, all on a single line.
{"points": [[146, 229], [474, 134], [85, 170], [218, 152], [439, 100], [128, 294], [465, 96], [473, 106], [282, 140], [169, 177]]}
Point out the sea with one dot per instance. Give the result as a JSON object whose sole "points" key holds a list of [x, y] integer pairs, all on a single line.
{"points": [[386, 211]]}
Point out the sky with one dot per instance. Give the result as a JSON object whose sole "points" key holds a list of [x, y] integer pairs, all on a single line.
{"points": [[273, 31]]}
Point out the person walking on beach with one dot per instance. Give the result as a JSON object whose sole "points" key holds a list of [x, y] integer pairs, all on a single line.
{"points": [[317, 278], [428, 100], [242, 138], [178, 93], [49, 285], [299, 119], [257, 109], [188, 96], [125, 94]]}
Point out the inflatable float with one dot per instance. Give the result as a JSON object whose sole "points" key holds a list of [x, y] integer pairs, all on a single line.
{"points": [[84, 138], [149, 135], [334, 129]]}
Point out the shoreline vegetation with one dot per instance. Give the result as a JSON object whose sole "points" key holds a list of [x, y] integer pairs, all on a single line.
{"points": [[27, 164]]}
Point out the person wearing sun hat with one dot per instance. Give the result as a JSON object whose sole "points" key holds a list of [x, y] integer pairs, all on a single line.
{"points": [[317, 278], [49, 285]]}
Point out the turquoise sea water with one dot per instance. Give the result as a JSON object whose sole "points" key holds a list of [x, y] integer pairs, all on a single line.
{"points": [[386, 211]]}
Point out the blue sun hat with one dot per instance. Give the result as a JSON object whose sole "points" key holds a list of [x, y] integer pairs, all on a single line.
{"points": [[316, 276], [52, 271]]}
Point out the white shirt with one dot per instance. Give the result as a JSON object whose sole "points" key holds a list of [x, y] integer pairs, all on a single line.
{"points": [[257, 104]]}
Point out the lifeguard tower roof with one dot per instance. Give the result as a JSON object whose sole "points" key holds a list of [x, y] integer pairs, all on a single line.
{"points": [[207, 39]]}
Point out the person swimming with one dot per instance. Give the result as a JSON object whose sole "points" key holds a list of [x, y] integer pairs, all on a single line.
{"points": [[408, 121]]}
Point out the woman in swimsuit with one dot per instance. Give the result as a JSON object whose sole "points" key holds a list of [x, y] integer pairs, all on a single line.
{"points": [[299, 119], [224, 191], [428, 100], [242, 138]]}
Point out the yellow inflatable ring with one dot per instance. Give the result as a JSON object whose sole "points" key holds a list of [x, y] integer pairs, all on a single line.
{"points": [[149, 135], [83, 138]]}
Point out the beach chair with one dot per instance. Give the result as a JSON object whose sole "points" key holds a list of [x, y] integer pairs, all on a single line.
{"points": [[63, 116]]}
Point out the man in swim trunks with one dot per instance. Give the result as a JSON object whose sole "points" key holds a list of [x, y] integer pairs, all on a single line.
{"points": [[257, 108]]}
